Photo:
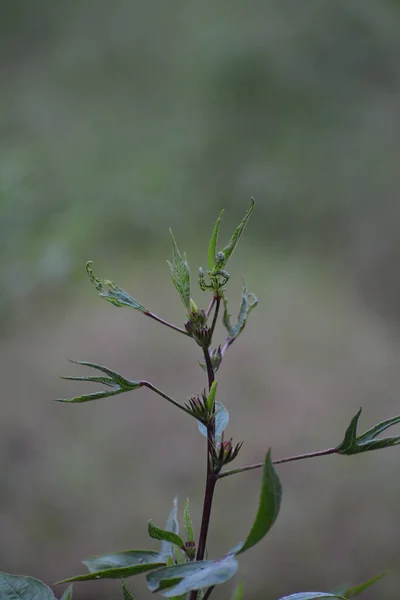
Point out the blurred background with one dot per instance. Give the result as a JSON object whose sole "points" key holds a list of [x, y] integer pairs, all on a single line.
{"points": [[120, 119]]}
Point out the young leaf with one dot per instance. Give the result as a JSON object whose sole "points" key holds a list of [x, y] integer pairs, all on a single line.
{"points": [[355, 591], [212, 248], [126, 592], [67, 595], [172, 525], [111, 292], [114, 380], [187, 522], [117, 573], [312, 596], [228, 250], [192, 576], [238, 593], [249, 301], [119, 560], [268, 508], [211, 396], [355, 444], [180, 274], [221, 417], [20, 587], [166, 536]]}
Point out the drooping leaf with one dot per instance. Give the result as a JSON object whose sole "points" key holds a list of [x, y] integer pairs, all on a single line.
{"points": [[67, 595], [127, 594], [166, 536], [355, 444], [355, 591], [172, 525], [238, 592], [228, 250], [268, 508], [221, 422], [212, 247], [20, 587], [249, 301], [311, 596], [111, 292], [125, 558], [180, 274], [187, 522], [192, 576], [115, 381]]}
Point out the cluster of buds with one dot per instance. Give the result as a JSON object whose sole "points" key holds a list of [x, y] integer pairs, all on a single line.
{"points": [[190, 549], [199, 408], [197, 328], [224, 453]]}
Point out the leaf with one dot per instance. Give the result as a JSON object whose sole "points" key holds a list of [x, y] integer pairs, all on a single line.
{"points": [[67, 595], [163, 535], [111, 292], [172, 525], [192, 575], [355, 444], [127, 594], [221, 421], [228, 250], [249, 301], [20, 587], [212, 247], [180, 274], [238, 591], [119, 573], [187, 522], [114, 380], [311, 596], [355, 591], [268, 508], [211, 396]]}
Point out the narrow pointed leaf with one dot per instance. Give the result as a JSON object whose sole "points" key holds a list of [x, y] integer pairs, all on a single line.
{"points": [[377, 429], [249, 301], [228, 250], [355, 591], [212, 248], [187, 522], [365, 442], [127, 594], [126, 558], [117, 573], [221, 422], [193, 575], [351, 434], [172, 525], [167, 536], [111, 292], [311, 596], [20, 587], [114, 380], [180, 274], [238, 593], [268, 508], [67, 595]]}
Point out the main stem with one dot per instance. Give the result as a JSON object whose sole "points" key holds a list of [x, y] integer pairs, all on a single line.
{"points": [[211, 477]]}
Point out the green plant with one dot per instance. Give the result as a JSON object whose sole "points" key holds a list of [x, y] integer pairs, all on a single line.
{"points": [[180, 568]]}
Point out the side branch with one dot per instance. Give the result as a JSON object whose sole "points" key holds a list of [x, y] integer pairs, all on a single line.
{"points": [[163, 322]]}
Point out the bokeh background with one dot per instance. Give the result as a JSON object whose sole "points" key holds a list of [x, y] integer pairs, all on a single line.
{"points": [[120, 119]]}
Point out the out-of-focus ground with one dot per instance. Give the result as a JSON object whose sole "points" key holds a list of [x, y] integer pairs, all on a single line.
{"points": [[118, 120]]}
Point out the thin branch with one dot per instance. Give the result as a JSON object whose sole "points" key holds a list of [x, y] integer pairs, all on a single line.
{"points": [[166, 323], [171, 400], [208, 592], [210, 307], [215, 318], [279, 461]]}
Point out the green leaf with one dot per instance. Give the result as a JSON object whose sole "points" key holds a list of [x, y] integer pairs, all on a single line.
{"points": [[228, 250], [172, 526], [180, 274], [187, 522], [114, 380], [111, 292], [268, 508], [67, 595], [192, 576], [238, 593], [20, 587], [116, 560], [126, 592], [249, 301], [166, 536], [221, 421], [212, 247], [211, 396], [355, 444], [311, 596], [119, 573], [355, 591]]}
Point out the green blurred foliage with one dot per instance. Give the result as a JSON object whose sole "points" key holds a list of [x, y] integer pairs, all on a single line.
{"points": [[118, 119]]}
